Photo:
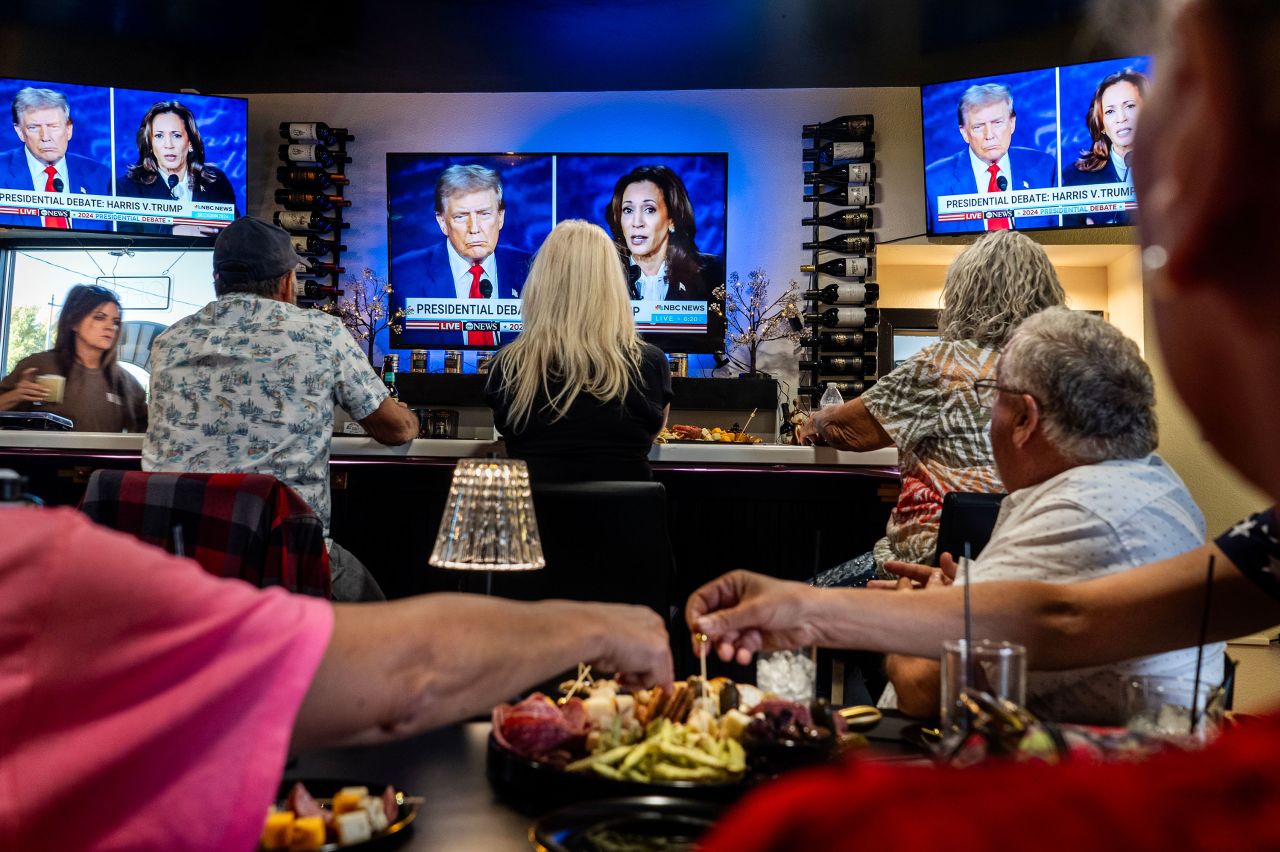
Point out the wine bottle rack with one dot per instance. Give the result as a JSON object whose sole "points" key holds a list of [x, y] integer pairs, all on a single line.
{"points": [[840, 183], [318, 288]]}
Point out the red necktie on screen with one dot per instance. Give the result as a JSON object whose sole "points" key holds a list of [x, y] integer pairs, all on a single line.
{"points": [[478, 338], [994, 186], [53, 221]]}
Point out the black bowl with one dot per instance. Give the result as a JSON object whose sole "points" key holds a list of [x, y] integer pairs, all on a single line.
{"points": [[535, 787]]}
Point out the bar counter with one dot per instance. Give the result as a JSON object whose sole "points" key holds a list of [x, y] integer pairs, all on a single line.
{"points": [[344, 446]]}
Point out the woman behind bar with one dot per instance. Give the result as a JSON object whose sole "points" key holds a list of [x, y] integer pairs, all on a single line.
{"points": [[578, 395], [927, 406], [98, 396]]}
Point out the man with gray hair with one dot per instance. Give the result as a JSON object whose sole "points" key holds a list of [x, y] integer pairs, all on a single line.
{"points": [[987, 120], [1073, 433], [469, 264], [42, 122]]}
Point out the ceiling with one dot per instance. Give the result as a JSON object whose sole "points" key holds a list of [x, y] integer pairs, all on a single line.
{"points": [[249, 46]]}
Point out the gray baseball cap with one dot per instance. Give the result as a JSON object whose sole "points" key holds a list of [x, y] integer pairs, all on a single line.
{"points": [[251, 249]]}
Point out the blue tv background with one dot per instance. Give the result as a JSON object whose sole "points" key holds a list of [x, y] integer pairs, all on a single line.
{"points": [[223, 125], [584, 187], [90, 116], [1077, 83], [1034, 100]]}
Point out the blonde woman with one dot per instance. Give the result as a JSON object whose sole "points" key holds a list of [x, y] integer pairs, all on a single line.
{"points": [[578, 395], [927, 406]]}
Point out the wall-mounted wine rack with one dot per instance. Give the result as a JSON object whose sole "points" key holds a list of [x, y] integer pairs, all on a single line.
{"points": [[840, 320], [312, 181]]}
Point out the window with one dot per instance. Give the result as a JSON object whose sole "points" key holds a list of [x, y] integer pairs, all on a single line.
{"points": [[155, 287]]}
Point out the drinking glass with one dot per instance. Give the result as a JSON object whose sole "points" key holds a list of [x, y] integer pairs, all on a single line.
{"points": [[996, 668], [1162, 706]]}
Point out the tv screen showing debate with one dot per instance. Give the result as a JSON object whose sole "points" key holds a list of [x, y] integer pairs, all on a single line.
{"points": [[1036, 149], [463, 229], [91, 158]]}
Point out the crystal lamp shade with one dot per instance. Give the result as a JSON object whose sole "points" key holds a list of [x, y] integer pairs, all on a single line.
{"points": [[488, 522]]}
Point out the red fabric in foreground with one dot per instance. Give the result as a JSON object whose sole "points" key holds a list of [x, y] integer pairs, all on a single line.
{"points": [[1225, 797]]}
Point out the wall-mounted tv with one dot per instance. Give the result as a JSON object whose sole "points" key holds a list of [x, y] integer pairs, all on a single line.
{"points": [[1035, 149], [451, 212], [91, 158]]}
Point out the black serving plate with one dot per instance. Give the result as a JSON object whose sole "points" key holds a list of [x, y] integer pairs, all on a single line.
{"points": [[324, 788], [536, 787], [658, 821]]}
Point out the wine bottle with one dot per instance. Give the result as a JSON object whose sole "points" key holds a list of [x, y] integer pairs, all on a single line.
{"points": [[305, 220], [306, 131], [297, 199], [838, 153], [315, 267], [304, 177], [844, 220], [846, 389], [846, 128], [311, 153], [844, 317], [846, 195], [310, 244], [314, 291], [855, 173], [831, 341], [844, 294], [845, 244], [389, 365], [850, 365], [842, 267]]}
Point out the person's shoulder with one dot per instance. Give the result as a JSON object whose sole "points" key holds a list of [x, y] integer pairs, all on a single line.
{"points": [[946, 164], [651, 354], [1031, 156], [709, 263], [44, 361], [508, 252]]}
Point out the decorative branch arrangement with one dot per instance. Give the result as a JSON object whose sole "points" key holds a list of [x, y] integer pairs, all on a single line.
{"points": [[751, 318], [362, 308]]}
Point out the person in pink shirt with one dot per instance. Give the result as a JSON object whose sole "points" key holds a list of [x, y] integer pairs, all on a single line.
{"points": [[145, 704]]}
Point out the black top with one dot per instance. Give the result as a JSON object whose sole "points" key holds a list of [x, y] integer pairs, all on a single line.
{"points": [[1252, 547], [594, 440]]}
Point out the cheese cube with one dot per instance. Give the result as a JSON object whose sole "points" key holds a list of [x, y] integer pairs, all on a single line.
{"points": [[353, 827], [348, 799], [377, 813], [308, 833], [278, 831]]}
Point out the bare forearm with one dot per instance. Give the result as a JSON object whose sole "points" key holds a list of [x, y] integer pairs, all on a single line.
{"points": [[1147, 610], [915, 680], [403, 667], [851, 427]]}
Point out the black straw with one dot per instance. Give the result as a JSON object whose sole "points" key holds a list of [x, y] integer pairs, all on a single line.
{"points": [[971, 667], [1204, 633]]}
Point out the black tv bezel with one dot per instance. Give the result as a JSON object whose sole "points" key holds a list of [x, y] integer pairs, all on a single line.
{"points": [[709, 342], [924, 164], [61, 237], [907, 319]]}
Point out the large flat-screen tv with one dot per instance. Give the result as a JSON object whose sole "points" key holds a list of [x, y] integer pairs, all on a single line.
{"points": [[93, 158], [432, 250], [1035, 149]]}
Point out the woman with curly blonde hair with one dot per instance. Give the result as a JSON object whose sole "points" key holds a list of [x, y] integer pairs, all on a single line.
{"points": [[578, 395], [927, 406]]}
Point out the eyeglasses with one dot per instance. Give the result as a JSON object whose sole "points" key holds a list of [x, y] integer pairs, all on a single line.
{"points": [[986, 390]]}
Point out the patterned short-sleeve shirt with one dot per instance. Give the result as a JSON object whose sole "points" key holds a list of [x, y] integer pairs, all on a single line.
{"points": [[247, 384], [928, 406]]}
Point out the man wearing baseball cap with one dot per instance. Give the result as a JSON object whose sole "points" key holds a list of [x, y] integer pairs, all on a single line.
{"points": [[247, 384]]}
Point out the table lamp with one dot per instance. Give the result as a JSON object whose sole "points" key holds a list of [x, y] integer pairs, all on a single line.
{"points": [[488, 522]]}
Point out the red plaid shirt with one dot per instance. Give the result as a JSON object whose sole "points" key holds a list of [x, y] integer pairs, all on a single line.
{"points": [[244, 525]]}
